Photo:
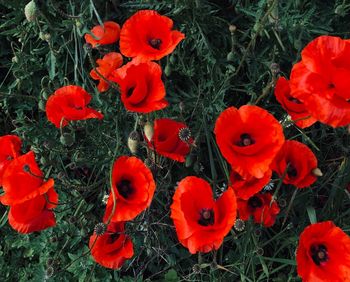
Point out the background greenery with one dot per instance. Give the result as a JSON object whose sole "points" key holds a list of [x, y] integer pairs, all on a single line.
{"points": [[41, 56]]}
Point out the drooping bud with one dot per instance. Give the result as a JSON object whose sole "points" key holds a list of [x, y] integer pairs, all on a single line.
{"points": [[148, 130], [31, 11], [232, 28], [133, 141], [317, 172]]}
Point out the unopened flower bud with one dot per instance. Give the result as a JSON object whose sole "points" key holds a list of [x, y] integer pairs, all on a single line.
{"points": [[232, 28], [317, 172], [148, 130], [31, 11], [133, 141]]}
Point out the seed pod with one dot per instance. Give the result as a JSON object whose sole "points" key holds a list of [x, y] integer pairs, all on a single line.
{"points": [[41, 105], [184, 134], [100, 228], [133, 141], [148, 130], [31, 11], [239, 225]]}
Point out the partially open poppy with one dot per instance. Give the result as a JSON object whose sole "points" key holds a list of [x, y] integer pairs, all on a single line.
{"points": [[321, 80], [201, 222], [166, 139], [102, 35], [141, 86], [148, 36], [249, 138], [106, 66], [69, 103], [261, 206], [323, 253], [23, 180], [112, 248], [293, 106], [298, 171], [35, 214], [134, 187], [246, 187], [10, 148]]}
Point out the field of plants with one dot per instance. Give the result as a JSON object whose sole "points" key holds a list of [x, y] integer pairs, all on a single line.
{"points": [[175, 140]]}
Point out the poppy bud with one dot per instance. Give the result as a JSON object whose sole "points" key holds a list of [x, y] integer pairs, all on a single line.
{"points": [[230, 57], [260, 251], [232, 28], [340, 10], [49, 271], [148, 130], [133, 141], [172, 59], [196, 268], [317, 172], [167, 70], [49, 262], [14, 59], [149, 163], [213, 265], [189, 161], [31, 11], [45, 95], [100, 228], [43, 161], [41, 105], [275, 68], [67, 139]]}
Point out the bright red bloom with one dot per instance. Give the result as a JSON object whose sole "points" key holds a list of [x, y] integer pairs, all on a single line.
{"points": [[249, 138], [323, 254], [293, 106], [261, 206], [134, 187], [166, 139], [299, 172], [69, 103], [106, 34], [106, 66], [10, 148], [201, 222], [35, 214], [148, 36], [23, 180], [321, 80], [112, 248], [248, 186], [141, 86]]}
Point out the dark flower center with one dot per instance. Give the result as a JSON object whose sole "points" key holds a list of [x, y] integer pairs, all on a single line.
{"points": [[331, 85], [130, 91], [319, 254], [155, 43], [113, 237], [293, 100], [255, 202], [125, 188], [9, 158], [206, 217], [291, 171], [245, 140]]}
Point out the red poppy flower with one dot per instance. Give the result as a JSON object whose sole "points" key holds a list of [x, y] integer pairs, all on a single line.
{"points": [[141, 86], [249, 138], [166, 139], [323, 254], [148, 36], [201, 222], [246, 187], [320, 81], [23, 180], [35, 214], [106, 34], [112, 248], [10, 148], [134, 187], [293, 106], [299, 170], [106, 66], [69, 103], [261, 206]]}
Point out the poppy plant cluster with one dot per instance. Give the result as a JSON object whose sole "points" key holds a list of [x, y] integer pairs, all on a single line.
{"points": [[145, 37], [132, 191], [323, 253], [31, 198], [318, 89]]}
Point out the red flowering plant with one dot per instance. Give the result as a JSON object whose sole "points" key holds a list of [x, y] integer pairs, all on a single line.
{"points": [[174, 140]]}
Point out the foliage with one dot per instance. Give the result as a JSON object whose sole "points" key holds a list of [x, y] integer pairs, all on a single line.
{"points": [[41, 56]]}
